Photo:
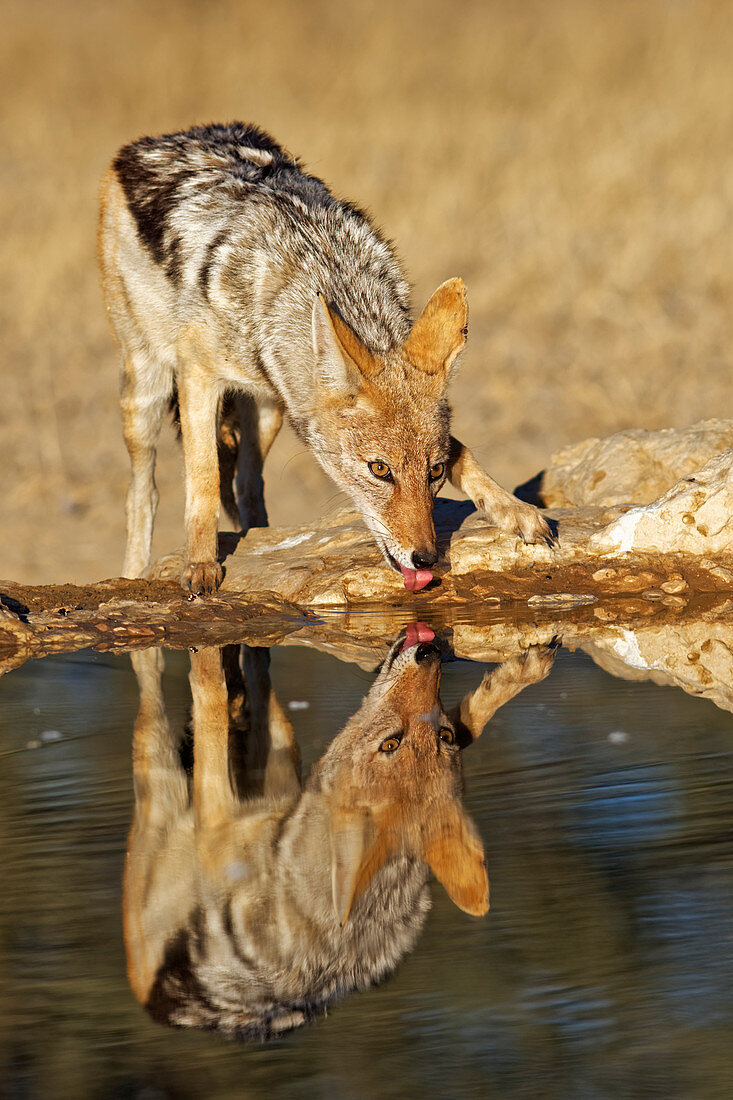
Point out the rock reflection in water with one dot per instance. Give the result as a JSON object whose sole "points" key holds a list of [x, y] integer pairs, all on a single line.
{"points": [[628, 641], [249, 903]]}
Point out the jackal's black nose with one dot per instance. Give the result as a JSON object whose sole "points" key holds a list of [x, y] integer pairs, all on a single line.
{"points": [[425, 651], [423, 559]]}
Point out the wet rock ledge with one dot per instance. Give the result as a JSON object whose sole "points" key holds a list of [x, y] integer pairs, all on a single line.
{"points": [[648, 533], [118, 615]]}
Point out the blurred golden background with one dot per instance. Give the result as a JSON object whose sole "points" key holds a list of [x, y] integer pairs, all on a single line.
{"points": [[573, 161]]}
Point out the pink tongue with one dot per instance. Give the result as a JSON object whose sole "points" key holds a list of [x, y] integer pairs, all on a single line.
{"points": [[416, 633], [415, 579]]}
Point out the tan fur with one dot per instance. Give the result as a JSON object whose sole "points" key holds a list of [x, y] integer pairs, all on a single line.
{"points": [[351, 345], [249, 915], [440, 332]]}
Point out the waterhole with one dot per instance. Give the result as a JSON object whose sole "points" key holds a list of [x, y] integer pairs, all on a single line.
{"points": [[286, 895]]}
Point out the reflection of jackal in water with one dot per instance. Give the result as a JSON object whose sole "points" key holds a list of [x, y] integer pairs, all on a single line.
{"points": [[250, 915]]}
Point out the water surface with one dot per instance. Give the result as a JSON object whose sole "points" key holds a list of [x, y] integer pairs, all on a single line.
{"points": [[604, 967]]}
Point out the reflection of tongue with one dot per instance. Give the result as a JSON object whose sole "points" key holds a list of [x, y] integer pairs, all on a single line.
{"points": [[416, 633], [415, 579]]}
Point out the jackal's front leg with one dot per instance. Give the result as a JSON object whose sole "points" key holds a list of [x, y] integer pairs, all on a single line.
{"points": [[501, 507], [213, 799], [198, 399], [499, 686]]}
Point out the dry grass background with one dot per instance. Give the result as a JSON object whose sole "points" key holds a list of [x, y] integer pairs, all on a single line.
{"points": [[572, 160]]}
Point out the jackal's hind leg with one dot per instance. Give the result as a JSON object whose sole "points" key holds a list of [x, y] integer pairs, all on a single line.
{"points": [[263, 753], [260, 421], [282, 773], [227, 445], [144, 397], [500, 506]]}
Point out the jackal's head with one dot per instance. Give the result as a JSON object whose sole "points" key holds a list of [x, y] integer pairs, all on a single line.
{"points": [[382, 424], [393, 780]]}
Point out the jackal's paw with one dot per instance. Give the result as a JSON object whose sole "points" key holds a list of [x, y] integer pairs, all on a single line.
{"points": [[528, 667], [201, 577], [537, 662], [518, 518]]}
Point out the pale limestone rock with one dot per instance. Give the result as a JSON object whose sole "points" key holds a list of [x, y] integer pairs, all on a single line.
{"points": [[694, 517], [679, 544], [337, 562], [696, 656], [631, 467]]}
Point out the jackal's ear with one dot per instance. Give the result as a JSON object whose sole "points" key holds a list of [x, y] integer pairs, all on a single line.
{"points": [[440, 331], [358, 850], [342, 361], [350, 836], [455, 855]]}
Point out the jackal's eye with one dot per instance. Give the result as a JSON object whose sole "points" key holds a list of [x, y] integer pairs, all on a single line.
{"points": [[446, 735], [437, 470], [390, 744], [381, 470]]}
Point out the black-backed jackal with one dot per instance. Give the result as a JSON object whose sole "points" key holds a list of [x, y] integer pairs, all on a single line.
{"points": [[250, 914], [234, 278]]}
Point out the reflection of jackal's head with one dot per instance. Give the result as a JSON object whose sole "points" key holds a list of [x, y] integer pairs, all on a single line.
{"points": [[393, 782], [380, 425]]}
